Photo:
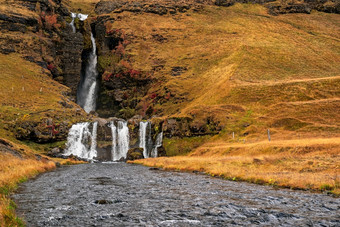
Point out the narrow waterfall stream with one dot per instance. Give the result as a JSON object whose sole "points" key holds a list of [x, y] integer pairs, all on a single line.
{"points": [[87, 90], [158, 144], [145, 137], [81, 17], [73, 16]]}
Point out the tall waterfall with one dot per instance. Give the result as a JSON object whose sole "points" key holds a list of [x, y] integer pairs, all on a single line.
{"points": [[87, 91], [159, 143], [79, 138], [145, 137]]}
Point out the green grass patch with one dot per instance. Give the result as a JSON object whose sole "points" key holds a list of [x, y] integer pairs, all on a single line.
{"points": [[182, 146]]}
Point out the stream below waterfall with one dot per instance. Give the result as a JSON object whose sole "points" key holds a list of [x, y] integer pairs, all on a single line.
{"points": [[119, 194]]}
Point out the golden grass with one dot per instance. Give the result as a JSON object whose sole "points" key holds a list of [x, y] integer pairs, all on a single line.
{"points": [[276, 67], [28, 94], [312, 164], [14, 170], [83, 6]]}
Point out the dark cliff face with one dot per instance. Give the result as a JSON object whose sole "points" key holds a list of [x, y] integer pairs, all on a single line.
{"points": [[151, 6], [122, 86], [54, 46], [70, 49]]}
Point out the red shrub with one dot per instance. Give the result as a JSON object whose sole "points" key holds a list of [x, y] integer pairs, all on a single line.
{"points": [[120, 50], [125, 64], [153, 96], [50, 67], [51, 21], [106, 76], [168, 95], [134, 73]]}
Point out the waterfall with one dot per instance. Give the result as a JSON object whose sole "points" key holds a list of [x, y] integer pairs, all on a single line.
{"points": [[120, 140], [81, 17], [79, 138], [73, 15], [145, 137], [82, 140], [93, 149], [87, 91], [114, 142], [159, 141], [123, 140]]}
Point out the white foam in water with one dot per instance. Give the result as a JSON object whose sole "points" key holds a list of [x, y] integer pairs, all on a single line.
{"points": [[159, 141], [79, 137]]}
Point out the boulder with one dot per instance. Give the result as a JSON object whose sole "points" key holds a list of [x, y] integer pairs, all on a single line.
{"points": [[135, 153]]}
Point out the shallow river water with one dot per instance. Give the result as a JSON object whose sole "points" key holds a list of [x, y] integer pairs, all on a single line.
{"points": [[120, 194]]}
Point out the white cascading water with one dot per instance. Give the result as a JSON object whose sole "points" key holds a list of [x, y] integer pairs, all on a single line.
{"points": [[78, 139], [159, 142], [123, 138], [87, 91], [81, 17], [82, 142], [73, 15], [93, 149], [145, 137], [114, 142]]}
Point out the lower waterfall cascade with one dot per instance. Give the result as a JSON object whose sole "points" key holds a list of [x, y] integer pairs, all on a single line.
{"points": [[82, 140], [79, 139], [145, 137]]}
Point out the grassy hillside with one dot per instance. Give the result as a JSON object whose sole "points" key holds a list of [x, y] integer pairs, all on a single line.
{"points": [[275, 67], [249, 71], [239, 68]]}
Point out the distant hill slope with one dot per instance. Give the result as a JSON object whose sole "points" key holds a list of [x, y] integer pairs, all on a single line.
{"points": [[239, 67]]}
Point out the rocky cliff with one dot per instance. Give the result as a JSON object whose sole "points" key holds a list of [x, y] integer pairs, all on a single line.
{"points": [[198, 67]]}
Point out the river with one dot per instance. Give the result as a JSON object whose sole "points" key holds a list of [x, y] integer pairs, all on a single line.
{"points": [[119, 194]]}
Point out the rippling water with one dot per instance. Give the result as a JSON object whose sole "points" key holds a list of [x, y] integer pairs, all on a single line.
{"points": [[119, 194]]}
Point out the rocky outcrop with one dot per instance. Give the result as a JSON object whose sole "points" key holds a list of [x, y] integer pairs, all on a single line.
{"points": [[70, 51], [290, 6], [45, 131], [135, 153], [232, 2], [122, 86], [150, 6]]}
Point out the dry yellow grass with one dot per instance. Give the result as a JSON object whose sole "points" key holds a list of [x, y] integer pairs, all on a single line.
{"points": [[14, 170], [302, 164], [276, 68], [84, 6]]}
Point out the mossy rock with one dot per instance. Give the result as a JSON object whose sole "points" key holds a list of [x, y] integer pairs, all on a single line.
{"points": [[135, 153]]}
